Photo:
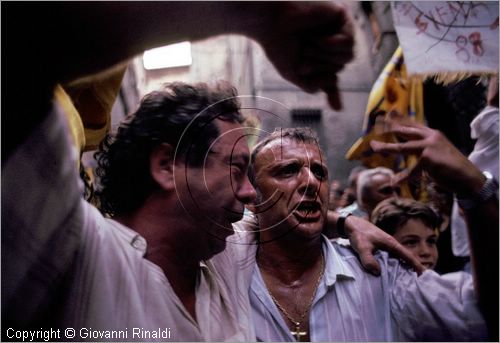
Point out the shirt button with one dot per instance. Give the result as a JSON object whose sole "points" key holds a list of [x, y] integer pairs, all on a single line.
{"points": [[139, 243]]}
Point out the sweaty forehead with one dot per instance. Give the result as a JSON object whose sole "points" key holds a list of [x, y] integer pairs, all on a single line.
{"points": [[286, 148]]}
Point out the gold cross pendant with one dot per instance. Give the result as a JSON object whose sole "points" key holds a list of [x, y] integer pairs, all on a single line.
{"points": [[297, 333]]}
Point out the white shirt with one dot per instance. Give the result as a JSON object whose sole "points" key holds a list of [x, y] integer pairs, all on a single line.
{"points": [[484, 128], [352, 305], [57, 247]]}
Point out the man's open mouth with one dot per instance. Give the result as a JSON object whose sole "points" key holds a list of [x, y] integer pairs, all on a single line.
{"points": [[308, 210]]}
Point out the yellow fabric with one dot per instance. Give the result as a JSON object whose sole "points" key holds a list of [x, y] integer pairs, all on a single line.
{"points": [[74, 121], [87, 103], [93, 97], [393, 90]]}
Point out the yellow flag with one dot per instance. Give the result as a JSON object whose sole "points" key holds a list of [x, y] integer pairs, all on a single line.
{"points": [[93, 97], [393, 90]]}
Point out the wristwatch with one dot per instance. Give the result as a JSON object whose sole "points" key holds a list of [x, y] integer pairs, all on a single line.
{"points": [[341, 224], [490, 188]]}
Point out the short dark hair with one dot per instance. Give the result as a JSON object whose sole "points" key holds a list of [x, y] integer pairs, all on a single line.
{"points": [[299, 134], [392, 213], [179, 114]]}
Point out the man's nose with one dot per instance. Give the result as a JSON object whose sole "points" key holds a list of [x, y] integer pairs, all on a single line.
{"points": [[246, 192], [310, 183]]}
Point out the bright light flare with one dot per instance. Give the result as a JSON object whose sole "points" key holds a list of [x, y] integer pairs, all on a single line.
{"points": [[173, 55]]}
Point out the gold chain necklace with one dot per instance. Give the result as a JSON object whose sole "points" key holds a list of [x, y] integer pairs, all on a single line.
{"points": [[297, 333]]}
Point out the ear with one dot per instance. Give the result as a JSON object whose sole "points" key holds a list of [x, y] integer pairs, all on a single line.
{"points": [[161, 166]]}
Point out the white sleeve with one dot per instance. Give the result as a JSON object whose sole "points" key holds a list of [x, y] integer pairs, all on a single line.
{"points": [[238, 258], [235, 265], [42, 217], [436, 307]]}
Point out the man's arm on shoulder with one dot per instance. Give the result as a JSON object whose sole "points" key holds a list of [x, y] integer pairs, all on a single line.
{"points": [[366, 238]]}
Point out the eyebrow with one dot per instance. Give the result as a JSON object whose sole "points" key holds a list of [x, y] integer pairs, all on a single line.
{"points": [[416, 236], [245, 158], [283, 163], [322, 165], [410, 236]]}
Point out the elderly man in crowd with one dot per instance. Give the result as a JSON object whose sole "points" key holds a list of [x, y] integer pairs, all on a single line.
{"points": [[375, 185]]}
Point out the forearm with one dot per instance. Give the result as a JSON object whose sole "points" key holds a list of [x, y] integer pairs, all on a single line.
{"points": [[483, 227], [54, 42], [479, 202], [98, 35], [365, 238], [43, 214]]}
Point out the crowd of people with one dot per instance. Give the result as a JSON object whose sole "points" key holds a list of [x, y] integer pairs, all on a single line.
{"points": [[196, 232]]}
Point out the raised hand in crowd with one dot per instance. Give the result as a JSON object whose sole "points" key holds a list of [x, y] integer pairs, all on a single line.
{"points": [[476, 192]]}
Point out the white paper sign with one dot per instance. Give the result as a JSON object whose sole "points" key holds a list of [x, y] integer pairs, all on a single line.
{"points": [[447, 36]]}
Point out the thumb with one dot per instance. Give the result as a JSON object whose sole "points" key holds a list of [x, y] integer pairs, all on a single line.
{"points": [[333, 96], [370, 263]]}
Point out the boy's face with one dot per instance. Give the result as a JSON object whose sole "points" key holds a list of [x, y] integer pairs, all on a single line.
{"points": [[421, 240]]}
